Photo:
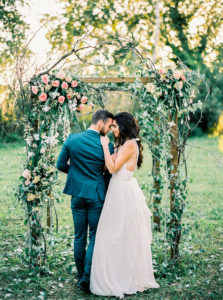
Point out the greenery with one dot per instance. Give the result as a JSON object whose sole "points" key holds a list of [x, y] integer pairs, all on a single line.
{"points": [[188, 33], [199, 274], [13, 30]]}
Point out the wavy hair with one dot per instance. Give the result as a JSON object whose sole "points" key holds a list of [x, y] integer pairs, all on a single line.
{"points": [[129, 129]]}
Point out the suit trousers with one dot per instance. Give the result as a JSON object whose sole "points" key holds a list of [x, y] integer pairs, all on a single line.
{"points": [[86, 213]]}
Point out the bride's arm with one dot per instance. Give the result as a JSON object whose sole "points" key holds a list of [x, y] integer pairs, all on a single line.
{"points": [[114, 165]]}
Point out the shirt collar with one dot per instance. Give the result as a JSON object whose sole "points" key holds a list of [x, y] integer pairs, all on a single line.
{"points": [[93, 130]]}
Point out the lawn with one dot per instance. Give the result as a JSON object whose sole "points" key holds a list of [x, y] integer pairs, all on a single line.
{"points": [[200, 271]]}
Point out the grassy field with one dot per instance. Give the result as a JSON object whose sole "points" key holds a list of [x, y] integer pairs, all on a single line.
{"points": [[199, 274]]}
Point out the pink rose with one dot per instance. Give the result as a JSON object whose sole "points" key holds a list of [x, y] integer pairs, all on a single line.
{"points": [[162, 71], [177, 75], [64, 85], [26, 174], [27, 182], [45, 79], [69, 95], [35, 89], [84, 99], [68, 78], [191, 101], [91, 104], [81, 107], [43, 97], [183, 77], [60, 75], [55, 83], [61, 99], [74, 83]]}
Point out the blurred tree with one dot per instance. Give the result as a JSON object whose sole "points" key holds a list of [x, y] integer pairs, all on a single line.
{"points": [[13, 30], [12, 39], [190, 31]]}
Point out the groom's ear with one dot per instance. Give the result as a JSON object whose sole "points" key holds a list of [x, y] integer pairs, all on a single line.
{"points": [[100, 123]]}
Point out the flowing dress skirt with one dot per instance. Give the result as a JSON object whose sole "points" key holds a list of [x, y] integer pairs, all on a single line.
{"points": [[122, 260]]}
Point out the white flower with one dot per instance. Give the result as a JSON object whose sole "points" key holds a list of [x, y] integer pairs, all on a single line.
{"points": [[42, 150], [28, 140], [51, 179], [150, 87], [54, 95], [30, 154], [36, 137], [46, 108], [171, 123]]}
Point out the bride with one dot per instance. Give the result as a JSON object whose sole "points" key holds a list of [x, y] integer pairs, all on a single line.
{"points": [[122, 260]]}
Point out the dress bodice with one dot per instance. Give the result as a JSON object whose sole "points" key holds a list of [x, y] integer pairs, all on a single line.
{"points": [[123, 173]]}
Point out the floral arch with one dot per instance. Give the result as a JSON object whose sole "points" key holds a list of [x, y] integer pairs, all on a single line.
{"points": [[166, 99]]}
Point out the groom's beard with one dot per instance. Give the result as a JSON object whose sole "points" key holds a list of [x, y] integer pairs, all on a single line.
{"points": [[102, 132]]}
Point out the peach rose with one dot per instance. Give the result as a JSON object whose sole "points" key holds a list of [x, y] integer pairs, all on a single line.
{"points": [[55, 83], [84, 99], [36, 179], [35, 89], [69, 95], [182, 77], [60, 75], [30, 197], [68, 78], [162, 71], [26, 174], [179, 85], [43, 97], [81, 107], [27, 182], [177, 75], [64, 85], [74, 83], [61, 99], [45, 79]]}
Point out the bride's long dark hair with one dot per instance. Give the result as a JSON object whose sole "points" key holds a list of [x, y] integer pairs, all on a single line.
{"points": [[129, 129]]}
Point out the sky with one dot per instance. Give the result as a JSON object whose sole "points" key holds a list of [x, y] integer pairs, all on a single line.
{"points": [[33, 15]]}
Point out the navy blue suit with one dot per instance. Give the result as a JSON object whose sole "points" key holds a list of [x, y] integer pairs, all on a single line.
{"points": [[87, 186]]}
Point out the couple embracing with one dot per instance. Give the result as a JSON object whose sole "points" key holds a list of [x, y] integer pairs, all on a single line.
{"points": [[112, 208]]}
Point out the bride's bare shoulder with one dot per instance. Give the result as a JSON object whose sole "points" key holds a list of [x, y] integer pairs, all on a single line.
{"points": [[130, 145]]}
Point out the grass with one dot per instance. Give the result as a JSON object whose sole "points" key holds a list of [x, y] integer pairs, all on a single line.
{"points": [[200, 271]]}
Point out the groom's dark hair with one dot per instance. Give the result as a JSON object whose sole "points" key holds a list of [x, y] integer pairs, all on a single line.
{"points": [[101, 114]]}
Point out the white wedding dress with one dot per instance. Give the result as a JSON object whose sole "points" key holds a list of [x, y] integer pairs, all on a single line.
{"points": [[122, 260]]}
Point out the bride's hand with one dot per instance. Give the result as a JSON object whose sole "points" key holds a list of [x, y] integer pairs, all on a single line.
{"points": [[113, 156], [104, 140]]}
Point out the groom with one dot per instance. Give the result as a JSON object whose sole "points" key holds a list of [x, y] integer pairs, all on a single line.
{"points": [[86, 184]]}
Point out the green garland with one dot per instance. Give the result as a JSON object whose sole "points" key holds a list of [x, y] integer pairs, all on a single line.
{"points": [[55, 101]]}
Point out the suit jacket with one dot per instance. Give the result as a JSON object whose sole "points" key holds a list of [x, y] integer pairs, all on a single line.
{"points": [[85, 171]]}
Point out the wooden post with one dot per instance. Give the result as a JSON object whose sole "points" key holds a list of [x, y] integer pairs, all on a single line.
{"points": [[156, 184], [175, 223]]}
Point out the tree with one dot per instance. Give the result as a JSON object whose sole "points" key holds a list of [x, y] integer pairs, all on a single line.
{"points": [[13, 29], [188, 32]]}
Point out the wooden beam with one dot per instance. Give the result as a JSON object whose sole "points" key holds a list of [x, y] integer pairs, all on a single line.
{"points": [[144, 80]]}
